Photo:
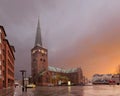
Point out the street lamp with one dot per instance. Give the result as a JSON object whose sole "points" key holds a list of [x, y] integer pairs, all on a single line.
{"points": [[23, 71]]}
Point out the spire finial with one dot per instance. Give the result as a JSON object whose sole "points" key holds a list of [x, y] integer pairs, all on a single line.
{"points": [[38, 39]]}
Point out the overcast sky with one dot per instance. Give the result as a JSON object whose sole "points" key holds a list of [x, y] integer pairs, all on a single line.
{"points": [[77, 33]]}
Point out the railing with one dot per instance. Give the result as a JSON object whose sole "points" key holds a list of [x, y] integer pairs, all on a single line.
{"points": [[7, 91]]}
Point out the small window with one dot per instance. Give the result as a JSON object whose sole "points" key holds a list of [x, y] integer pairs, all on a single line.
{"points": [[0, 51], [3, 52], [0, 63], [3, 62], [0, 40], [0, 72], [44, 60], [41, 59]]}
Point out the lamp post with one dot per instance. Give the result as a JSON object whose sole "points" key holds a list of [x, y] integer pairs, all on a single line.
{"points": [[25, 82], [30, 80], [23, 88]]}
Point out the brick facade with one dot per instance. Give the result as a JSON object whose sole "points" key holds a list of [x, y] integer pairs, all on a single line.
{"points": [[6, 61], [39, 62]]}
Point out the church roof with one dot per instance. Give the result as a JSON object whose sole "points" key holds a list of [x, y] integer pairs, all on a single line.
{"points": [[55, 69], [38, 39]]}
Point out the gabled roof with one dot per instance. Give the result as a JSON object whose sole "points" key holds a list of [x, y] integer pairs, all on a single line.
{"points": [[54, 69]]}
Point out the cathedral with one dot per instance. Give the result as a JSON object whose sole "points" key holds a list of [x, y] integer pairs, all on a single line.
{"points": [[43, 74]]}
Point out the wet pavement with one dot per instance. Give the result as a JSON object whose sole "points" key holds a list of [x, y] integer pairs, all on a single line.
{"points": [[97, 90], [7, 91], [18, 92]]}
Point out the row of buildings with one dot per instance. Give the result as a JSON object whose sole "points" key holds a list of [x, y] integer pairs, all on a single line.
{"points": [[106, 78], [7, 59], [43, 74]]}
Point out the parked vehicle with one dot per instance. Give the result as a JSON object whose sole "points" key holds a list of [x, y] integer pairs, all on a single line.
{"points": [[116, 79], [31, 86]]}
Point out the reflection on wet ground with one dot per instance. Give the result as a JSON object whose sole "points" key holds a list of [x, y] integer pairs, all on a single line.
{"points": [[97, 90], [7, 92], [50, 91], [103, 90]]}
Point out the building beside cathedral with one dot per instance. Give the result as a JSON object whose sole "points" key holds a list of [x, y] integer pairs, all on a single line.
{"points": [[7, 59], [43, 74]]}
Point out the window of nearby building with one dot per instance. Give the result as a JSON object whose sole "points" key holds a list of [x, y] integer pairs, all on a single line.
{"points": [[41, 59], [10, 65], [4, 52], [0, 63], [0, 36], [0, 51], [0, 72], [0, 30], [3, 62], [44, 60], [0, 39]]}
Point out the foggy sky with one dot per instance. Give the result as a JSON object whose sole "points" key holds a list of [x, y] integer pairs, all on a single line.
{"points": [[77, 33]]}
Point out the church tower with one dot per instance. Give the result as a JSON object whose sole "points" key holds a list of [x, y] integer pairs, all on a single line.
{"points": [[39, 58]]}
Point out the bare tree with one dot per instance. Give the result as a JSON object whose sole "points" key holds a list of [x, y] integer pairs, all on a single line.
{"points": [[118, 71]]}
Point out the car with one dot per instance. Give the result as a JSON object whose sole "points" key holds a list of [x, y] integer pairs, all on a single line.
{"points": [[31, 86]]}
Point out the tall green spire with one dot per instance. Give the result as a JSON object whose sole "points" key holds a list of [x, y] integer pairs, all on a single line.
{"points": [[38, 39]]}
